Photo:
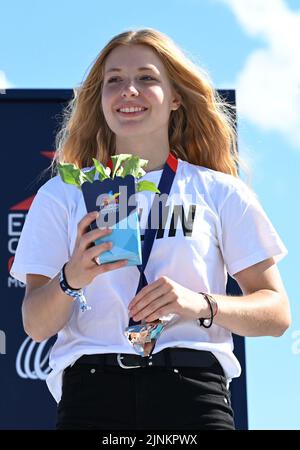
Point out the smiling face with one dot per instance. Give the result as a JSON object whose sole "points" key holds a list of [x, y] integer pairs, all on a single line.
{"points": [[137, 96]]}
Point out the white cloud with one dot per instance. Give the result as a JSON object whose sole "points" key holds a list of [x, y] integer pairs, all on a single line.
{"points": [[4, 83], [268, 86]]}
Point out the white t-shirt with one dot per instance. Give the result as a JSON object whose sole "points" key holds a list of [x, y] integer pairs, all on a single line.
{"points": [[230, 231]]}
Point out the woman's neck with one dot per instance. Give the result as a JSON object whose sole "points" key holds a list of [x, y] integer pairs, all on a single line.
{"points": [[156, 158], [152, 166]]}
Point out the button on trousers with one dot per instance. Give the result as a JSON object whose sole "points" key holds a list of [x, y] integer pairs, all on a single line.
{"points": [[110, 398]]}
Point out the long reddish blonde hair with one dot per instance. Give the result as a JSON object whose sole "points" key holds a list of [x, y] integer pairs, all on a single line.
{"points": [[202, 131]]}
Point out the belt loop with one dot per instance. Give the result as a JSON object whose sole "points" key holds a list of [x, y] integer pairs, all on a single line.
{"points": [[168, 359], [103, 360]]}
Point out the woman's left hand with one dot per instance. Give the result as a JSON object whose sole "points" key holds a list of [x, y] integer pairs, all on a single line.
{"points": [[165, 296]]}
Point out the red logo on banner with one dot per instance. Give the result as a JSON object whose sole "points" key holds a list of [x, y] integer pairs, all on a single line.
{"points": [[48, 154], [24, 205]]}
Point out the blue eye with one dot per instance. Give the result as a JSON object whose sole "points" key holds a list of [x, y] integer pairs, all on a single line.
{"points": [[148, 76], [112, 80]]}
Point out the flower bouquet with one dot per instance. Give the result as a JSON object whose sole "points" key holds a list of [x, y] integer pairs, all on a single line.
{"points": [[113, 196]]}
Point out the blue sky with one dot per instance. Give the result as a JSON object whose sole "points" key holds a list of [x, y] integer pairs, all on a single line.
{"points": [[252, 46]]}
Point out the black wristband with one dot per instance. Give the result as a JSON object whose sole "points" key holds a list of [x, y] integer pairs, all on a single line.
{"points": [[65, 280], [207, 322]]}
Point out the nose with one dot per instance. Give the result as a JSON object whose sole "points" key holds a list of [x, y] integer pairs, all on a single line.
{"points": [[130, 90]]}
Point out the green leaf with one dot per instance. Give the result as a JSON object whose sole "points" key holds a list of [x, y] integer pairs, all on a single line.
{"points": [[69, 173], [108, 171], [117, 160], [100, 169], [119, 172], [134, 167], [146, 186], [90, 174]]}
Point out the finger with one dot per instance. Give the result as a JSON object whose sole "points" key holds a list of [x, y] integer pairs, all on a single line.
{"points": [[85, 222], [98, 249], [145, 290], [88, 238], [110, 266], [160, 312], [137, 305], [151, 307]]}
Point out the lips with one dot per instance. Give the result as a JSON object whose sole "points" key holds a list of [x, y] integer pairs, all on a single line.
{"points": [[132, 114], [129, 105]]}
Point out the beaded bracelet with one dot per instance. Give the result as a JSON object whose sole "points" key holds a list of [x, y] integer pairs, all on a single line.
{"points": [[207, 323]]}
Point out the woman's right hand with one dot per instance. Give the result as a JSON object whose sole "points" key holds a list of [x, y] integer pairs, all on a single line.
{"points": [[82, 268]]}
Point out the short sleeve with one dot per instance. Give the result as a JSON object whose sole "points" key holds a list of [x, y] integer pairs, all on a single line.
{"points": [[43, 245], [248, 236]]}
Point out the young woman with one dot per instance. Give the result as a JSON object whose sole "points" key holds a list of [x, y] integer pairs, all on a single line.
{"points": [[143, 96]]}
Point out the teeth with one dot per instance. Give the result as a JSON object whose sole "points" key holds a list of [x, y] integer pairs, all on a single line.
{"points": [[130, 110]]}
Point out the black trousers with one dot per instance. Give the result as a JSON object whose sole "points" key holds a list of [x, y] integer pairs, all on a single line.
{"points": [[110, 398]]}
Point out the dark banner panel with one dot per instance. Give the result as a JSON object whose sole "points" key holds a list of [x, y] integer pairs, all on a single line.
{"points": [[29, 120]]}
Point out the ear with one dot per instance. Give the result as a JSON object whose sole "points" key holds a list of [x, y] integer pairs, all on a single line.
{"points": [[176, 101]]}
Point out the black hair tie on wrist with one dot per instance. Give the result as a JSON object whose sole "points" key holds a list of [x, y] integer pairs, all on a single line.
{"points": [[207, 322], [65, 280]]}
